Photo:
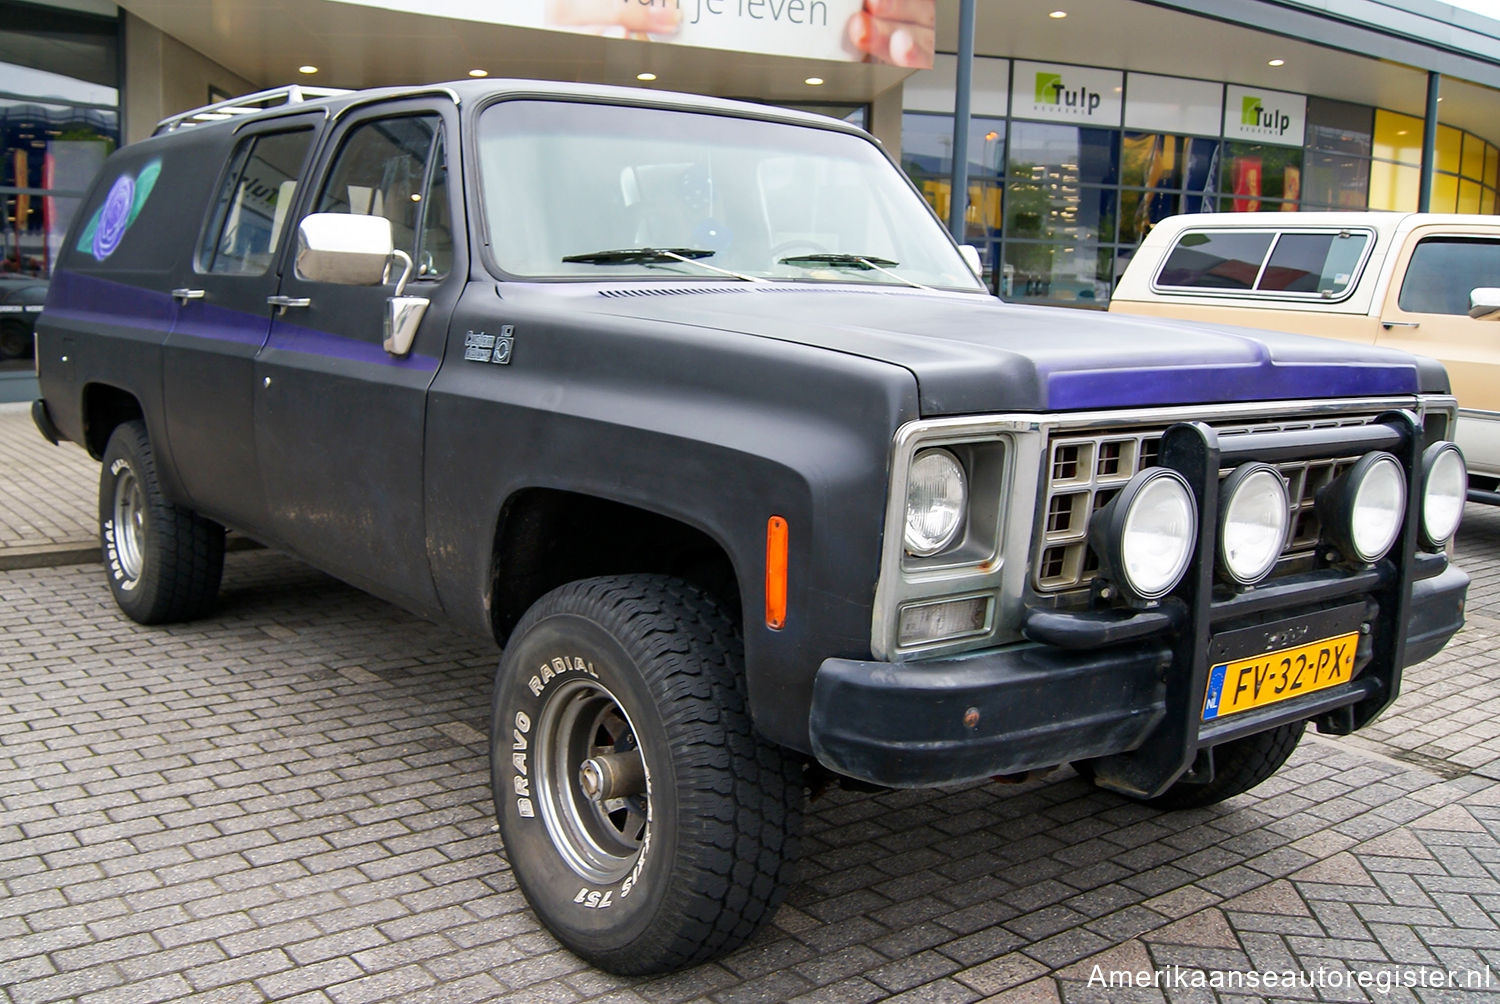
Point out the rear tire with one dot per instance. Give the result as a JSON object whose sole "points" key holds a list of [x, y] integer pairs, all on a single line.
{"points": [[163, 563], [687, 849]]}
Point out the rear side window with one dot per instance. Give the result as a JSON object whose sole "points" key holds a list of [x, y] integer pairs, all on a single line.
{"points": [[1444, 269], [254, 200], [1323, 265], [1219, 260]]}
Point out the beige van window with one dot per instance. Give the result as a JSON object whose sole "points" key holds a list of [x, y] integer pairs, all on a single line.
{"points": [[1322, 264], [1444, 269]]}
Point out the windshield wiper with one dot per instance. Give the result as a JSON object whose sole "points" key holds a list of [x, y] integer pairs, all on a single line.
{"points": [[863, 262], [867, 262], [655, 256], [638, 256]]}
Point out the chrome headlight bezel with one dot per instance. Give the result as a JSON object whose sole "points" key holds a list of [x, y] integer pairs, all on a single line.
{"points": [[939, 465]]}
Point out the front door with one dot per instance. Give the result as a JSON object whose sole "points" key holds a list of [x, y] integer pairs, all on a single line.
{"points": [[339, 420], [223, 320], [1426, 311]]}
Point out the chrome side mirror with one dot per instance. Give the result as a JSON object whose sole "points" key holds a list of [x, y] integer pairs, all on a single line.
{"points": [[344, 248], [1484, 303], [354, 250], [970, 255]]}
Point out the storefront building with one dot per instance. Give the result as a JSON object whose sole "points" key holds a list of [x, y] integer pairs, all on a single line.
{"points": [[1088, 125]]}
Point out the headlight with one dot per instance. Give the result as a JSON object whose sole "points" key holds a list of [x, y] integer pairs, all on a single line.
{"points": [[1445, 486], [1146, 534], [936, 502], [1253, 516], [1362, 510]]}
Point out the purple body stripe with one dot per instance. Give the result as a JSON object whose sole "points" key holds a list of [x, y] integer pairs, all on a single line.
{"points": [[1123, 388], [90, 297]]}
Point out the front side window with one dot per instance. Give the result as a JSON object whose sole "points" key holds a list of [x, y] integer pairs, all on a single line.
{"points": [[565, 185], [253, 203], [395, 168], [1444, 270]]}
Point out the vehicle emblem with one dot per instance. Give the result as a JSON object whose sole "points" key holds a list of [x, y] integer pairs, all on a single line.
{"points": [[481, 347]]}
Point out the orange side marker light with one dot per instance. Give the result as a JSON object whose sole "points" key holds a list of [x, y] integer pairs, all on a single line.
{"points": [[776, 552]]}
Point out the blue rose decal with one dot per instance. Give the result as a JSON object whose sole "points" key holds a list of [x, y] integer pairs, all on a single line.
{"points": [[121, 206], [114, 217]]}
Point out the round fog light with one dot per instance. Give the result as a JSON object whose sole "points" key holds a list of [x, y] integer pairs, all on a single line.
{"points": [[1253, 518], [1445, 486], [1362, 510], [1146, 534], [936, 500]]}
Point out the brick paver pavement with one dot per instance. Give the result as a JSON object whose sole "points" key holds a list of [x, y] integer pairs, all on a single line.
{"points": [[47, 493], [289, 800]]}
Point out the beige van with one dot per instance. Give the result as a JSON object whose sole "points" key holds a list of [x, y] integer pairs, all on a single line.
{"points": [[1421, 282]]}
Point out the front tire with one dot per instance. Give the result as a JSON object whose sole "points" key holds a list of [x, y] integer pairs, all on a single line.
{"points": [[647, 825], [1239, 765], [163, 563]]}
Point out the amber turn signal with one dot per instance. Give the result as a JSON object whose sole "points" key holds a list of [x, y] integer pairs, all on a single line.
{"points": [[776, 549]]}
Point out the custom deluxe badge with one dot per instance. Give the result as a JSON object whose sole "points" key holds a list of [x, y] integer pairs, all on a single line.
{"points": [[482, 347]]}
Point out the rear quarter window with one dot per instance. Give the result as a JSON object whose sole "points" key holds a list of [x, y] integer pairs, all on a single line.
{"points": [[1321, 264]]}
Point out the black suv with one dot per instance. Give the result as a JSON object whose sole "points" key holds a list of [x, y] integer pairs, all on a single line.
{"points": [[695, 409]]}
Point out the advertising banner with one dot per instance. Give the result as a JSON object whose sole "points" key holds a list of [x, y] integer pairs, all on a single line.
{"points": [[1256, 115], [840, 30], [1081, 95]]}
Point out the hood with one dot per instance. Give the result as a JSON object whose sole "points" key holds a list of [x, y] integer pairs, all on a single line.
{"points": [[973, 354]]}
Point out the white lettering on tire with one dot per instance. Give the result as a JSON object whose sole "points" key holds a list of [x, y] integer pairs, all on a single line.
{"points": [[521, 781]]}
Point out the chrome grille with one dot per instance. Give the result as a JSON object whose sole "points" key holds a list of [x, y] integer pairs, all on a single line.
{"points": [[1087, 469]]}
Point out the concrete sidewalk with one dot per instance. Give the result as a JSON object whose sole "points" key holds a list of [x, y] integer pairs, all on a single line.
{"points": [[48, 497]]}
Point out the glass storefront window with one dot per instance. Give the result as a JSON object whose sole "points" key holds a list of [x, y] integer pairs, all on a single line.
{"points": [[1336, 181], [1062, 154], [1340, 127], [59, 119], [1397, 137], [927, 145], [1261, 176], [1394, 186], [1473, 162], [1075, 274], [1059, 212]]}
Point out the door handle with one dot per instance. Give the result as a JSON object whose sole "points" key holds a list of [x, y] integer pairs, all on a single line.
{"points": [[1388, 325], [281, 303], [184, 295]]}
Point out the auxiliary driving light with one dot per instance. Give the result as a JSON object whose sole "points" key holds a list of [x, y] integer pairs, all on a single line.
{"points": [[1362, 510], [1445, 486], [1253, 518], [936, 502], [1146, 534]]}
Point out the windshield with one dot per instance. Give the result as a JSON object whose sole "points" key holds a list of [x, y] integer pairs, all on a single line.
{"points": [[593, 190]]}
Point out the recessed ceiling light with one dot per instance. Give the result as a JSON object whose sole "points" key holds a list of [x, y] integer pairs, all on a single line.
{"points": [[1440, 99], [1058, 15], [307, 68], [814, 81], [1276, 62], [479, 73], [648, 77]]}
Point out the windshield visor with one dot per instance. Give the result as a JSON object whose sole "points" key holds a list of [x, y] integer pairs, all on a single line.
{"points": [[569, 180]]}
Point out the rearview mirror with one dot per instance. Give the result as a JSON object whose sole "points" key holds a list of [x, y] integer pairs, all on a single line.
{"points": [[344, 248], [1484, 303]]}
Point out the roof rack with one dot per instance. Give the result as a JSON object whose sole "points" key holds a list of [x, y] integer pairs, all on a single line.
{"points": [[245, 104]]}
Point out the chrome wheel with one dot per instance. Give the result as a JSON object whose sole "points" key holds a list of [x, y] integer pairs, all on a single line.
{"points": [[129, 525], [592, 786]]}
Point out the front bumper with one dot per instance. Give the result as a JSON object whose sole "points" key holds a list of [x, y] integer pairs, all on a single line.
{"points": [[1126, 688]]}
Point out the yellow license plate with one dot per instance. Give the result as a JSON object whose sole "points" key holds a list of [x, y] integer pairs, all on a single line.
{"points": [[1278, 676]]}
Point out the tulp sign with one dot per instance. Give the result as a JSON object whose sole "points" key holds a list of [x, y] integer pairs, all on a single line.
{"points": [[1058, 93], [810, 29], [1257, 115]]}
